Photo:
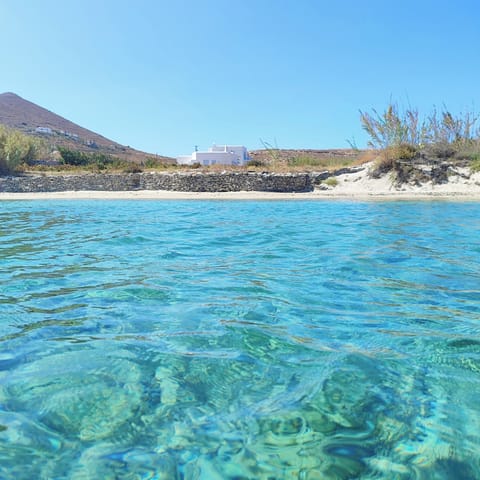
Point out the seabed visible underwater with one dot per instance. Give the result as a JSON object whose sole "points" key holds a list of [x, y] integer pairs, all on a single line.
{"points": [[239, 340]]}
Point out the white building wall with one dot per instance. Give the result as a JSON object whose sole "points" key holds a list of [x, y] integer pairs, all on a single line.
{"points": [[47, 130], [238, 150], [184, 160], [217, 155], [215, 158]]}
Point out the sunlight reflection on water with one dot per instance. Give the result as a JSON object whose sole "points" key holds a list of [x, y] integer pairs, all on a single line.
{"points": [[239, 340]]}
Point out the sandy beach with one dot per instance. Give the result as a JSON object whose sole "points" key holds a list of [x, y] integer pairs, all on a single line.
{"points": [[462, 186]]}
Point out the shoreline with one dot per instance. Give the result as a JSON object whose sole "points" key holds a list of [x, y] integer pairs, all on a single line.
{"points": [[243, 195], [349, 184]]}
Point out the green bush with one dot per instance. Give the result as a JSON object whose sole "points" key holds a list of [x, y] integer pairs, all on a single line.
{"points": [[73, 157], [331, 181], [17, 148], [255, 162], [94, 160], [152, 162], [78, 158], [475, 164]]}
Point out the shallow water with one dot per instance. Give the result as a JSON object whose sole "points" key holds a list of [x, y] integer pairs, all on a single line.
{"points": [[239, 340]]}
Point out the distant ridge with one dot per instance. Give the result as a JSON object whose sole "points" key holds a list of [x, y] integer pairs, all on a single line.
{"points": [[26, 116]]}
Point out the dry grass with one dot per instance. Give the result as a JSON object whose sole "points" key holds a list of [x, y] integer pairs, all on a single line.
{"points": [[277, 160], [405, 141], [287, 161]]}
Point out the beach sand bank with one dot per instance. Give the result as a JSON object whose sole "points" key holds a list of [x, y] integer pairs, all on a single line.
{"points": [[356, 185]]}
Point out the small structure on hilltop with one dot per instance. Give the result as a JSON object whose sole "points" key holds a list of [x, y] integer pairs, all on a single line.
{"points": [[45, 130], [217, 155]]}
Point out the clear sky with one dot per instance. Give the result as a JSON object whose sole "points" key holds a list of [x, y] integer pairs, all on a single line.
{"points": [[165, 75]]}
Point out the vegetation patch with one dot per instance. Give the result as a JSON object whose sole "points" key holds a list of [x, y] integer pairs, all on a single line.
{"points": [[16, 149], [327, 162], [255, 162], [101, 162], [407, 143], [285, 160], [331, 181], [475, 165]]}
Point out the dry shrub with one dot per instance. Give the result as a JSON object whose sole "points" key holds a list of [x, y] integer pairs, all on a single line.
{"points": [[366, 156], [255, 162], [383, 164]]}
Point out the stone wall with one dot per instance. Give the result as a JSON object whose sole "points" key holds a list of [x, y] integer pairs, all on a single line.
{"points": [[182, 182]]}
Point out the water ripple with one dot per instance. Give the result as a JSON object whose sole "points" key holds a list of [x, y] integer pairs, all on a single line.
{"points": [[239, 340]]}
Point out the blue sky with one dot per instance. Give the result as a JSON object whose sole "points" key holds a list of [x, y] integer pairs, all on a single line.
{"points": [[163, 76]]}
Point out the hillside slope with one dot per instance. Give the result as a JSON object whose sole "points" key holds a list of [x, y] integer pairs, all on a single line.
{"points": [[18, 113]]}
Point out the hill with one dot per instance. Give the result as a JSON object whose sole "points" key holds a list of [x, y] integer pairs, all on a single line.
{"points": [[31, 119]]}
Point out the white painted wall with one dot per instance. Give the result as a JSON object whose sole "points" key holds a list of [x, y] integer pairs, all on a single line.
{"points": [[217, 155], [47, 130], [184, 160], [238, 150]]}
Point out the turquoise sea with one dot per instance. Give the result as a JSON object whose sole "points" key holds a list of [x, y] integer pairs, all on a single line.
{"points": [[216, 340]]}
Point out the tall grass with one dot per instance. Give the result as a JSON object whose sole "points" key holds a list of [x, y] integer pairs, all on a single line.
{"points": [[394, 127], [443, 127], [405, 135]]}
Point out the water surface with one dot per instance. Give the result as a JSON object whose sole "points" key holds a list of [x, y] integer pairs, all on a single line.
{"points": [[239, 340]]}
